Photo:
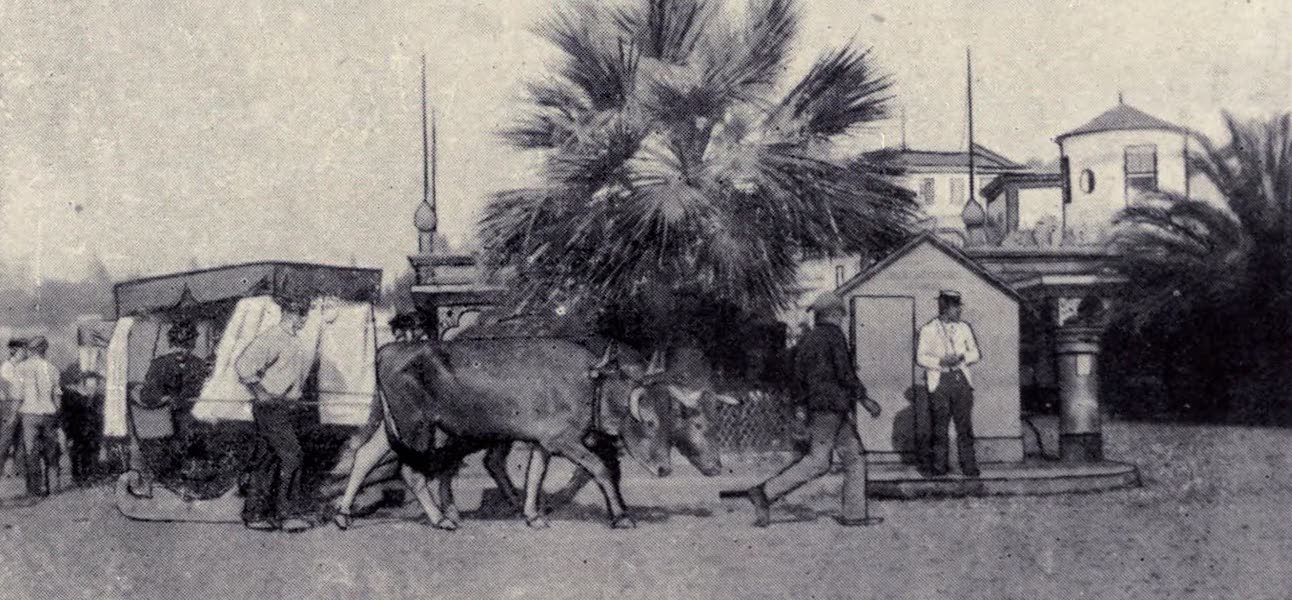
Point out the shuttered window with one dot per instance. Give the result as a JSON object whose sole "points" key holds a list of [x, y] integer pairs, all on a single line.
{"points": [[1141, 170], [928, 190], [958, 191]]}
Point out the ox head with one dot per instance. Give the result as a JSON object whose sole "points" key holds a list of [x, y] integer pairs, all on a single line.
{"points": [[669, 405]]}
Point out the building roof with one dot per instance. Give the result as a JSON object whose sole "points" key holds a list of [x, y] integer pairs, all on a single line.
{"points": [[1122, 117], [1021, 181], [919, 240], [984, 159]]}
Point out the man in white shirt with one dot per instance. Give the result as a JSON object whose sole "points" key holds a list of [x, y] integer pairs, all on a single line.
{"points": [[10, 400], [274, 367], [42, 398], [947, 348]]}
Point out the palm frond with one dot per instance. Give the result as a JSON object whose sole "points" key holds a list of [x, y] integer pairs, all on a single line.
{"points": [[600, 62], [752, 59], [842, 90], [666, 30]]}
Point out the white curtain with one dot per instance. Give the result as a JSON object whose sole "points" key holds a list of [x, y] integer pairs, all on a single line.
{"points": [[223, 397], [116, 379]]}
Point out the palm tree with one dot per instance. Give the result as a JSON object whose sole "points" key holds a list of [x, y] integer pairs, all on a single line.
{"points": [[672, 165], [1211, 282]]}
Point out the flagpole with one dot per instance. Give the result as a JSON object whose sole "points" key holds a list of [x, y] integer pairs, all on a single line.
{"points": [[969, 94]]}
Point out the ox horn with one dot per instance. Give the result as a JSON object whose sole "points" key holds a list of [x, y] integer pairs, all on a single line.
{"points": [[635, 402], [607, 358], [656, 366]]}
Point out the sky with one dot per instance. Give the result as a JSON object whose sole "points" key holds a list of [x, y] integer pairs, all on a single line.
{"points": [[157, 135]]}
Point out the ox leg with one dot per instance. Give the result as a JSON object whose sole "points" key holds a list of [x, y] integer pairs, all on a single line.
{"points": [[422, 491], [534, 475], [495, 462], [447, 500], [366, 458], [581, 456]]}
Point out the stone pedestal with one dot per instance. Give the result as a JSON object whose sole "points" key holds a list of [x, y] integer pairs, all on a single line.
{"points": [[1077, 349]]}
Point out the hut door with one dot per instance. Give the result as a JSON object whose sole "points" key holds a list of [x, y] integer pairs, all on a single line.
{"points": [[884, 346]]}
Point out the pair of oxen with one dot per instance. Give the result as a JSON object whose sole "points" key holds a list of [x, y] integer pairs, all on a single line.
{"points": [[559, 396]]}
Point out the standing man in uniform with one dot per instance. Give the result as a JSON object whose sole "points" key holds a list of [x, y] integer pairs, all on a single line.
{"points": [[947, 348], [830, 389], [274, 367], [10, 400], [42, 400]]}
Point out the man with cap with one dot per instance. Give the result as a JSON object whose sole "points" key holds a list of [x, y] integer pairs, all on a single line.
{"points": [[947, 347], [829, 387], [42, 400], [274, 367], [173, 382], [10, 400]]}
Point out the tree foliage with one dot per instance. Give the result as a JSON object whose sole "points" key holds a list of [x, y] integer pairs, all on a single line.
{"points": [[1211, 283], [673, 165]]}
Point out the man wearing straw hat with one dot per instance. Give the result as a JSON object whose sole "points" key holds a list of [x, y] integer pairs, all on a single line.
{"points": [[830, 388], [274, 367]]}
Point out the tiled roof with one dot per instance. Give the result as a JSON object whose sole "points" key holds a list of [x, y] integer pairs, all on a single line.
{"points": [[1121, 118], [929, 159]]}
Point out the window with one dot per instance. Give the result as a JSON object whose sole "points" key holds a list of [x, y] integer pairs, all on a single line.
{"points": [[1141, 169], [1088, 181], [958, 191], [838, 276], [928, 189]]}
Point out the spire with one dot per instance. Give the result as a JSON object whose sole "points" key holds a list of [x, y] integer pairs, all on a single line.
{"points": [[425, 218], [969, 102]]}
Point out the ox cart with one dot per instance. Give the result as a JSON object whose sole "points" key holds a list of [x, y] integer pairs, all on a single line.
{"points": [[210, 435]]}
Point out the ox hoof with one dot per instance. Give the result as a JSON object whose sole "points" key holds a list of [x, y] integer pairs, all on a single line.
{"points": [[537, 522], [446, 524], [623, 522], [343, 521]]}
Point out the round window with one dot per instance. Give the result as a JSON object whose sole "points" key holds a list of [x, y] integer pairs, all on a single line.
{"points": [[1087, 181]]}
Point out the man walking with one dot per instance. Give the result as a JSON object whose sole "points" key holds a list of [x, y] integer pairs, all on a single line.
{"points": [[946, 349], [10, 401], [830, 388], [41, 403], [274, 367], [82, 421]]}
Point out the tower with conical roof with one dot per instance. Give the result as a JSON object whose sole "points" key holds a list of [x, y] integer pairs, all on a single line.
{"points": [[1115, 159]]}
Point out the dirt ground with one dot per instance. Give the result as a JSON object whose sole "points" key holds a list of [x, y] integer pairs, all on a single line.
{"points": [[1212, 521]]}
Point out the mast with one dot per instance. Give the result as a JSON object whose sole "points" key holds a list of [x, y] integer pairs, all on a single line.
{"points": [[903, 128], [969, 94], [426, 159]]}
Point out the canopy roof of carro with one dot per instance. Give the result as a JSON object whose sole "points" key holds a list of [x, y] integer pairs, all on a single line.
{"points": [[184, 291]]}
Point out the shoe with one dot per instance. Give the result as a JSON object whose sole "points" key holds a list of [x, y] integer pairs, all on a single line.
{"points": [[939, 471], [295, 525], [261, 525], [971, 471], [762, 506], [862, 522]]}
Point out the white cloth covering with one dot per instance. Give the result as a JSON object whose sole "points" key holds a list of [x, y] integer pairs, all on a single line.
{"points": [[115, 380], [223, 396]]}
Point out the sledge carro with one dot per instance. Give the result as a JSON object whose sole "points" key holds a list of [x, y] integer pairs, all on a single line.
{"points": [[207, 438]]}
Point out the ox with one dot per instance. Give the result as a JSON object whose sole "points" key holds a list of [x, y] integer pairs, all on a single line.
{"points": [[488, 393]]}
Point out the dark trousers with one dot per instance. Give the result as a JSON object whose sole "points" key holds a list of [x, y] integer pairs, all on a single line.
{"points": [[830, 432], [274, 488], [952, 402], [83, 428], [10, 430], [40, 442]]}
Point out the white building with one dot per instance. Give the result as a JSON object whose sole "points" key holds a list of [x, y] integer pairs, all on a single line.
{"points": [[940, 180]]}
